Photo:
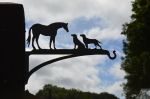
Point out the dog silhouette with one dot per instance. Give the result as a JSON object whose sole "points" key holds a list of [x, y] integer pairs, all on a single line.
{"points": [[90, 41], [77, 42]]}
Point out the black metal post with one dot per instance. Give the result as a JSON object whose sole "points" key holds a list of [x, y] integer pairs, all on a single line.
{"points": [[12, 51]]}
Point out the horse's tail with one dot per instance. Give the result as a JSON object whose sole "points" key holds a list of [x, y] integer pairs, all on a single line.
{"points": [[29, 37]]}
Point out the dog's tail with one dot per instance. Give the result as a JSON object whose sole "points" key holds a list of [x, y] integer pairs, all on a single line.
{"points": [[99, 42]]}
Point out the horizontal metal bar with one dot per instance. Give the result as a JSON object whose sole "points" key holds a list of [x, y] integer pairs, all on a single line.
{"points": [[68, 51]]}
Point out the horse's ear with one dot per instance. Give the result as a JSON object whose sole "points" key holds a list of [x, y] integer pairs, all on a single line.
{"points": [[66, 23]]}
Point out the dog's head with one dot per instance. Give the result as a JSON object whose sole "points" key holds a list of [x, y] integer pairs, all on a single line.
{"points": [[82, 35], [73, 35]]}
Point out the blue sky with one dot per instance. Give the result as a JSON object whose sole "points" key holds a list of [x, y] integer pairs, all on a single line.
{"points": [[99, 19]]}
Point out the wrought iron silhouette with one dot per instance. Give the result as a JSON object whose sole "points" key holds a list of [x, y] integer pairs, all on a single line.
{"points": [[49, 30], [71, 53], [77, 42], [90, 41], [79, 48]]}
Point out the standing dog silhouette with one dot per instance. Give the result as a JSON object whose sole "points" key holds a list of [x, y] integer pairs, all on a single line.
{"points": [[89, 41], [77, 42]]}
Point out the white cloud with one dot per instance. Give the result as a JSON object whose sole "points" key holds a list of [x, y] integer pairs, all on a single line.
{"points": [[116, 89], [104, 34], [48, 11], [116, 71], [114, 16], [35, 84], [15, 1], [114, 12], [79, 73]]}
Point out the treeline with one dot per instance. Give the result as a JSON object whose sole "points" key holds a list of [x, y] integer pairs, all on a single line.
{"points": [[54, 92], [136, 62]]}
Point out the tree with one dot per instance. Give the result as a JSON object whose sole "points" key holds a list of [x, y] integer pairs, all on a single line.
{"points": [[136, 62], [62, 93]]}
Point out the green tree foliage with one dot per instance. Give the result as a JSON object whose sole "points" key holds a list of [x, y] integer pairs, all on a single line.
{"points": [[136, 62], [53, 92]]}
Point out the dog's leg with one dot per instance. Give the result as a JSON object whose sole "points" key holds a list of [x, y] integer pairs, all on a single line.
{"points": [[86, 46], [95, 46], [99, 46], [74, 46]]}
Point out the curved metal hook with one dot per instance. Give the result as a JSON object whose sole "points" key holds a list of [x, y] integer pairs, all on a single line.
{"points": [[112, 57]]}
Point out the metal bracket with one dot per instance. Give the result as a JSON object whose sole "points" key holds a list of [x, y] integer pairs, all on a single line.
{"points": [[71, 53]]}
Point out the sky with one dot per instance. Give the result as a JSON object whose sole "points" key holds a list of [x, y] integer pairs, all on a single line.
{"points": [[98, 19]]}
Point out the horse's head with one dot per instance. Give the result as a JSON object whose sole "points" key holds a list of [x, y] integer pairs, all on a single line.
{"points": [[65, 26]]}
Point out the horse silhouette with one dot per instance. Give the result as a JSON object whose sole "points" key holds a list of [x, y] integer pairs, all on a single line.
{"points": [[49, 30]]}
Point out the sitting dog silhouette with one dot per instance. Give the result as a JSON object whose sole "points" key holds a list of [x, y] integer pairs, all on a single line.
{"points": [[77, 42], [89, 41]]}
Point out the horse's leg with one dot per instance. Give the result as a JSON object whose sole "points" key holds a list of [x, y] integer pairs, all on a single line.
{"points": [[33, 42], [54, 42], [37, 37], [50, 43]]}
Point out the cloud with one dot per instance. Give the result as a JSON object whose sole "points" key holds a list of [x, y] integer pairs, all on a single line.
{"points": [[79, 73], [104, 34], [48, 11], [116, 71], [15, 1], [112, 15], [116, 89]]}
